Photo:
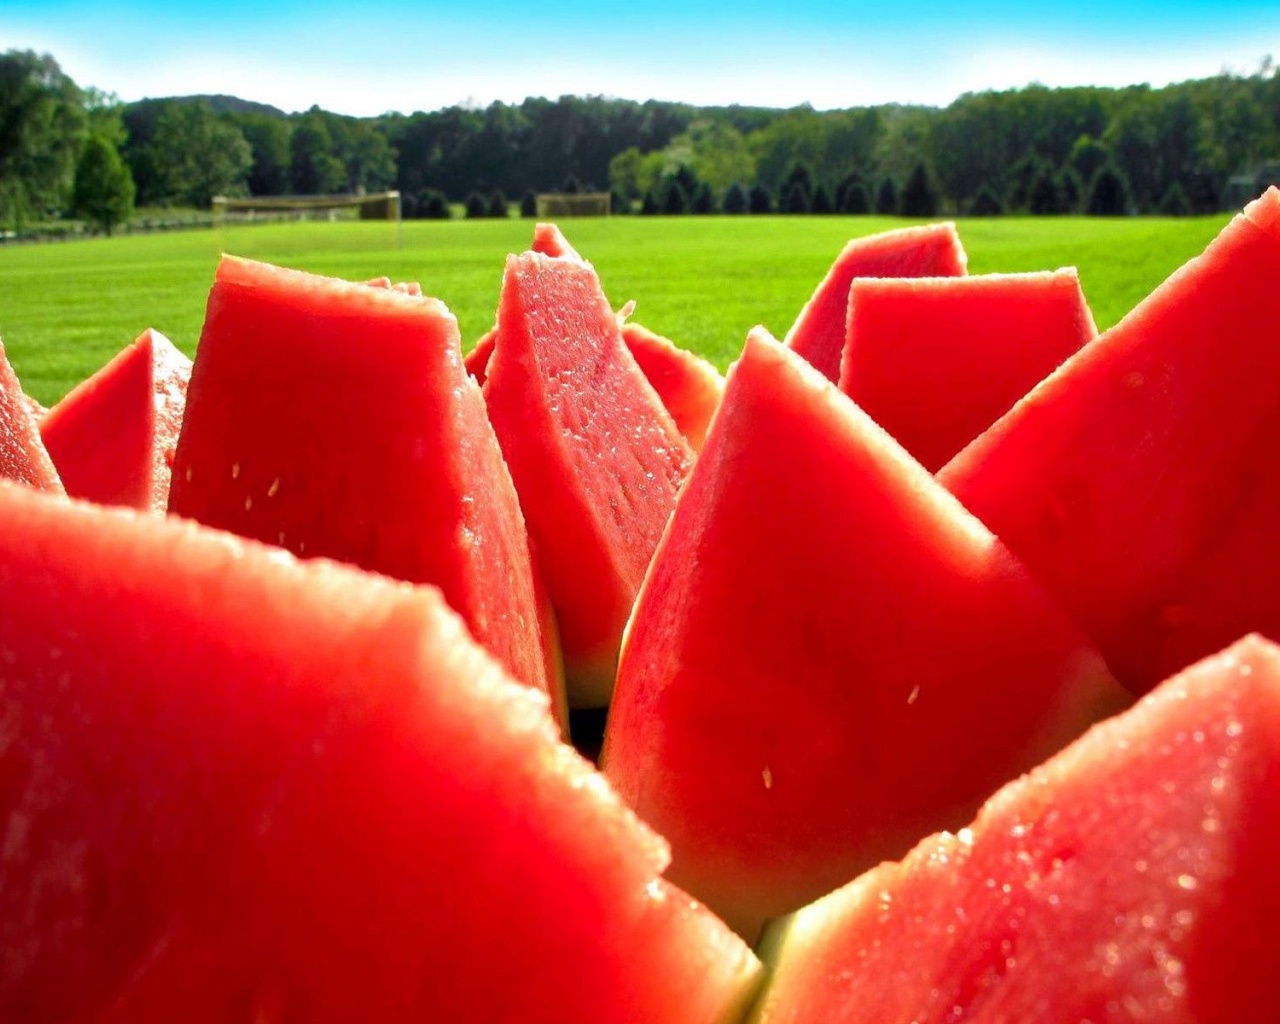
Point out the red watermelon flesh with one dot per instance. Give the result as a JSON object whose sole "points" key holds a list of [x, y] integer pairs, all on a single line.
{"points": [[336, 419], [549, 240], [1130, 878], [477, 360], [406, 287], [596, 458], [829, 657], [935, 361], [23, 455], [689, 386], [238, 785], [113, 437], [932, 250], [1137, 482]]}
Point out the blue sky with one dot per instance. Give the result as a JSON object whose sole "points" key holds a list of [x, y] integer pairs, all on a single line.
{"points": [[367, 58]]}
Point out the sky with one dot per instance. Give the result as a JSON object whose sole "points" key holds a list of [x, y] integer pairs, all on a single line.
{"points": [[366, 59]]}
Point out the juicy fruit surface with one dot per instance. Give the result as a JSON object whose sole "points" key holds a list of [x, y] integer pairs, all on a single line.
{"points": [[1131, 878], [791, 682], [1137, 482], [933, 250], [113, 437], [335, 419], [596, 459], [688, 385], [312, 797], [23, 456], [935, 361]]}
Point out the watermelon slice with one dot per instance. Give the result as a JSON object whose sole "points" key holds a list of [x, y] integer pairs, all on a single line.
{"points": [[549, 240], [829, 657], [935, 361], [22, 453], [336, 419], [932, 250], [113, 437], [1131, 878], [689, 386], [596, 458], [241, 787], [477, 360], [1138, 481]]}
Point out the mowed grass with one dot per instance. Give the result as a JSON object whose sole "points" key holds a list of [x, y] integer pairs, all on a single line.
{"points": [[65, 309]]}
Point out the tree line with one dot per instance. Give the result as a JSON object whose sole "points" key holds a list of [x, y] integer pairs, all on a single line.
{"points": [[66, 150]]}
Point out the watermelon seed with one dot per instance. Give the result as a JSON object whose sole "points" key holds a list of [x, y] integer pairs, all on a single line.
{"points": [[274, 489], [235, 471], [768, 777], [914, 695], [248, 504]]}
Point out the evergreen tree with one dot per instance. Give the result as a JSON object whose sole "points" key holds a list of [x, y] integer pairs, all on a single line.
{"points": [[854, 199], [1071, 188], [572, 186], [498, 205], [618, 203], [103, 191], [887, 197], [919, 196], [432, 205], [759, 200], [1044, 198], [529, 203], [735, 199], [650, 205], [796, 199], [822, 202], [1108, 193], [703, 201], [799, 175], [986, 203], [476, 206], [1174, 202], [674, 199], [844, 186]]}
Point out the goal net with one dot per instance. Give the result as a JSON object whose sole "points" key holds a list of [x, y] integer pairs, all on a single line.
{"points": [[557, 205], [370, 206]]}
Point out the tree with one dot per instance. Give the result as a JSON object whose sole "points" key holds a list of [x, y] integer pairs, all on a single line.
{"points": [[887, 197], [1087, 157], [1174, 202], [498, 204], [198, 155], [797, 180], [43, 125], [1045, 196], [529, 203], [314, 168], [571, 186], [674, 199], [1108, 193], [268, 137], [476, 206], [735, 199], [986, 203], [1071, 188], [919, 196], [103, 192], [618, 203], [822, 200], [432, 205], [759, 200], [854, 199], [703, 201], [650, 204]]}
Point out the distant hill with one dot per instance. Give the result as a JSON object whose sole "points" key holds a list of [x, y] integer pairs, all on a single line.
{"points": [[228, 104]]}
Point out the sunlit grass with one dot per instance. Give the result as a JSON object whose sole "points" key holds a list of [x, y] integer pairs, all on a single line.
{"points": [[66, 308]]}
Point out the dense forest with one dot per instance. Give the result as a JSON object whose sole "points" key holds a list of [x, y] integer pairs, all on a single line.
{"points": [[1196, 146]]}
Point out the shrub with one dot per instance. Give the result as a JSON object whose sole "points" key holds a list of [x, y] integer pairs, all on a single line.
{"points": [[887, 197], [1174, 202], [498, 205], [674, 199], [854, 199], [619, 203], [650, 205], [796, 199], [822, 202], [986, 203], [759, 200], [919, 196], [476, 206], [1044, 197], [432, 205], [529, 203], [703, 201]]}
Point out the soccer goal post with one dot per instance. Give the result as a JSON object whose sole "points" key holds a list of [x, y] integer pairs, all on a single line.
{"points": [[557, 205], [370, 206]]}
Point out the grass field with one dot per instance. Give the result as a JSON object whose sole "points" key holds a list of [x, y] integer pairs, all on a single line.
{"points": [[67, 308]]}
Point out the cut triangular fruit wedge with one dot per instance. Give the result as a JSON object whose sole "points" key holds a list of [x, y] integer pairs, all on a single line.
{"points": [[937, 360], [23, 456], [932, 250], [829, 657], [242, 787], [689, 386], [113, 437], [596, 458], [549, 240], [1132, 877], [1138, 482], [335, 419]]}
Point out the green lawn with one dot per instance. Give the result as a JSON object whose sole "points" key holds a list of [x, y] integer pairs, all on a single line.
{"points": [[66, 308]]}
